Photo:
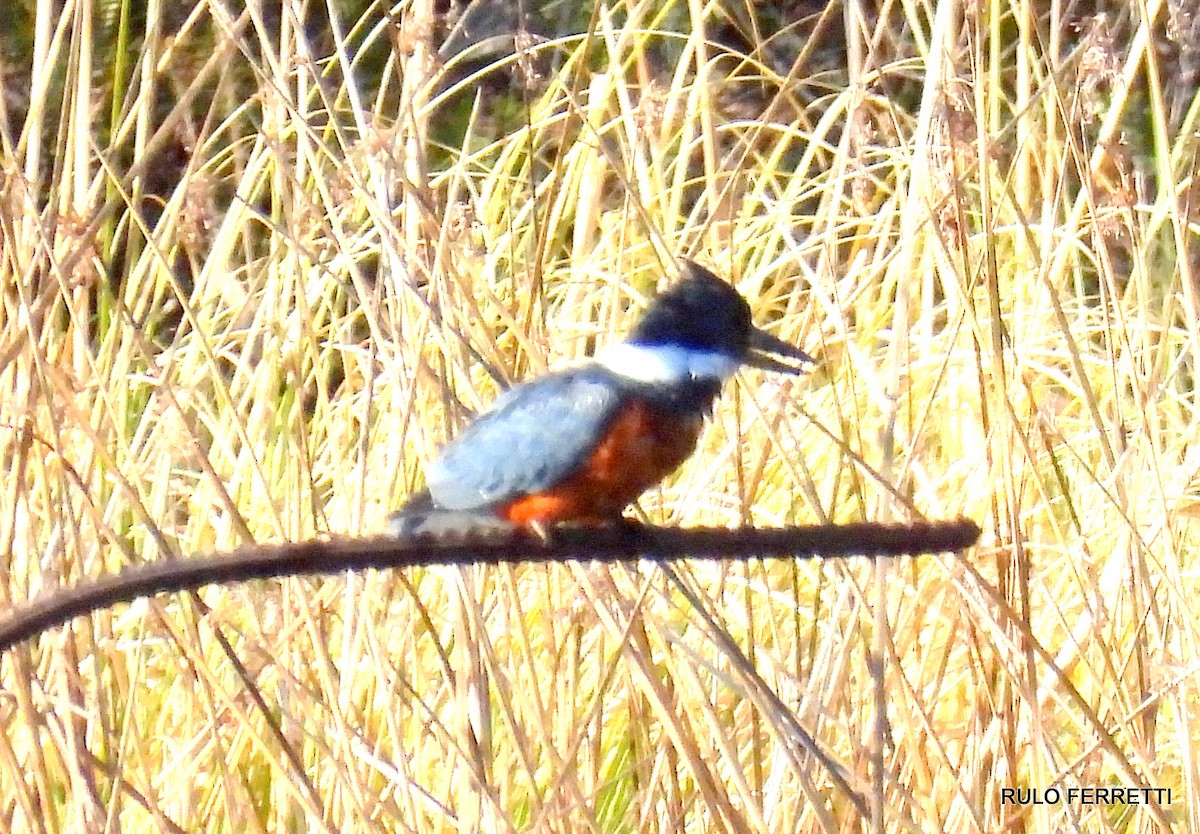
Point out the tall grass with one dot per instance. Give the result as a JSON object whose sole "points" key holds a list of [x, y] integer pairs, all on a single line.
{"points": [[257, 268]]}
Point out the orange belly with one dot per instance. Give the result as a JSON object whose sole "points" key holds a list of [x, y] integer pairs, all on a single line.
{"points": [[643, 445]]}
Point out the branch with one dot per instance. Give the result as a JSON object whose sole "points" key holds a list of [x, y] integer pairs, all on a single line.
{"points": [[618, 543]]}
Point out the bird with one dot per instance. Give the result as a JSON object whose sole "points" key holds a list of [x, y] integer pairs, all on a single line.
{"points": [[579, 445]]}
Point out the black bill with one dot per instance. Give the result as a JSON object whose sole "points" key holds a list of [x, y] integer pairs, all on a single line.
{"points": [[763, 344]]}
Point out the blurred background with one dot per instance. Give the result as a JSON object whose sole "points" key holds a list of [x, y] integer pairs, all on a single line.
{"points": [[260, 260]]}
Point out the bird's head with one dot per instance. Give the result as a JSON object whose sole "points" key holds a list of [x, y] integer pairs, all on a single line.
{"points": [[699, 328]]}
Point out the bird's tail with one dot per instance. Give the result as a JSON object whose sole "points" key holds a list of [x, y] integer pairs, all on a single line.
{"points": [[420, 517]]}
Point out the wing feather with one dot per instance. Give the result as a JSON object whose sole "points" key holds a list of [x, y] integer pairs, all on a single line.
{"points": [[534, 436]]}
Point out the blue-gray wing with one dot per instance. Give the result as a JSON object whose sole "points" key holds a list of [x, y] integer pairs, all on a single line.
{"points": [[534, 436]]}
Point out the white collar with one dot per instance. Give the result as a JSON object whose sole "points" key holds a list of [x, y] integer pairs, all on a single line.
{"points": [[666, 364]]}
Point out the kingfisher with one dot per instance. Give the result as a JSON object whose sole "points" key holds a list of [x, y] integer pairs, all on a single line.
{"points": [[579, 445]]}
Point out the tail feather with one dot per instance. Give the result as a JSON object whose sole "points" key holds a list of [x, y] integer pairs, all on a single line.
{"points": [[421, 518]]}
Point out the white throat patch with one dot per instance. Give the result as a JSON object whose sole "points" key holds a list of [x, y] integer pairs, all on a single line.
{"points": [[666, 364]]}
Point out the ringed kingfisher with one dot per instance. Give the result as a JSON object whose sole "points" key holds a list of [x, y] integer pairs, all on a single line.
{"points": [[579, 445]]}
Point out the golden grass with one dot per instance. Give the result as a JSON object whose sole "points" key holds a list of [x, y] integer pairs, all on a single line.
{"points": [[250, 285]]}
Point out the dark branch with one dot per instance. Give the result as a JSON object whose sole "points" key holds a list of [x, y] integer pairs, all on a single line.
{"points": [[604, 544]]}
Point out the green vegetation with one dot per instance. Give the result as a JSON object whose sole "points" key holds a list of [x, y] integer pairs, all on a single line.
{"points": [[256, 268]]}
